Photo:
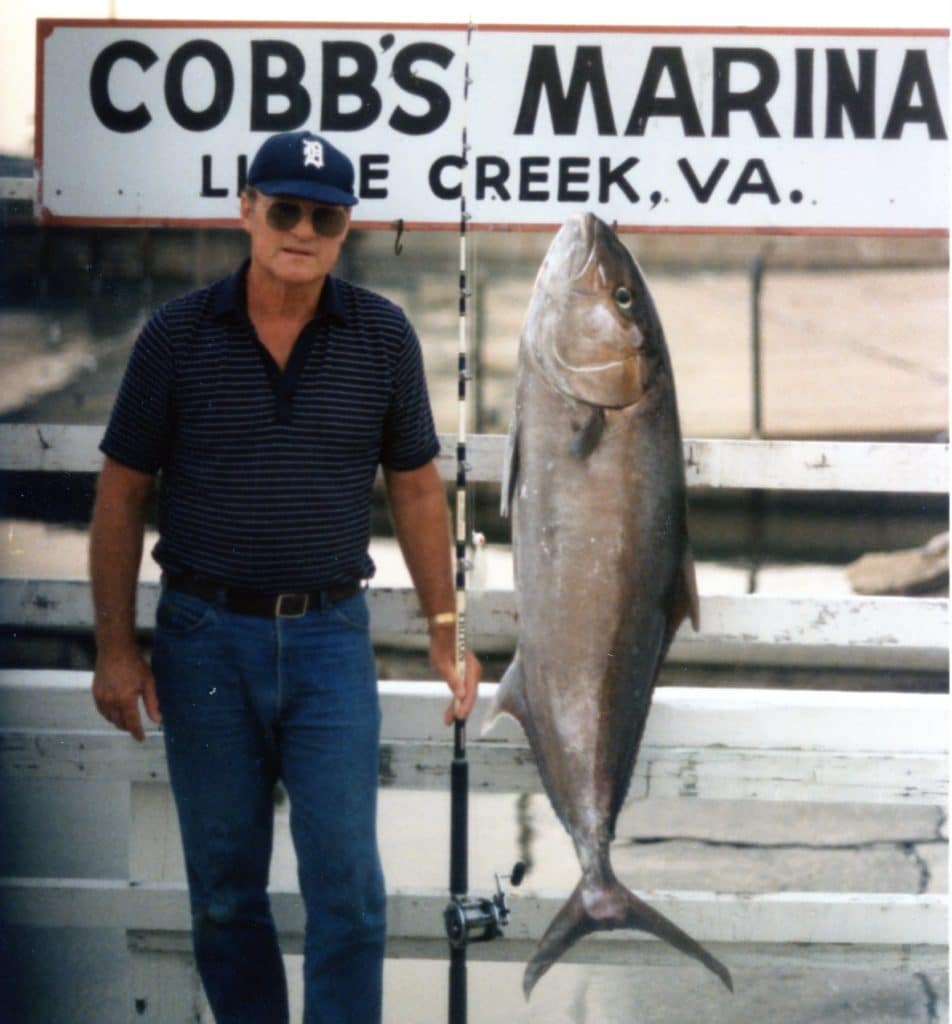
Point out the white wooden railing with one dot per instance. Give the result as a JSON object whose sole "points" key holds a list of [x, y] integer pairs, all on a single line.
{"points": [[707, 743]]}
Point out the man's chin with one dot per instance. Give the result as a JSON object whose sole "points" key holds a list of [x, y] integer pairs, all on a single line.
{"points": [[296, 268]]}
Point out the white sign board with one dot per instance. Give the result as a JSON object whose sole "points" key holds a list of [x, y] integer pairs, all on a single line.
{"points": [[655, 129]]}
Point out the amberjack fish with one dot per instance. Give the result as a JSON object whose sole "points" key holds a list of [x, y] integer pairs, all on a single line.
{"points": [[594, 480]]}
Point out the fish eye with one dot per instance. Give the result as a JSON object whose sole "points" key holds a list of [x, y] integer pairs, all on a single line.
{"points": [[623, 298]]}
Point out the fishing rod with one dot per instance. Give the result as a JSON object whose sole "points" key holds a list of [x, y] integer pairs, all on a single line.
{"points": [[466, 920]]}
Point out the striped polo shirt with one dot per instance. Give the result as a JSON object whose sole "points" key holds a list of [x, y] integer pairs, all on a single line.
{"points": [[267, 476]]}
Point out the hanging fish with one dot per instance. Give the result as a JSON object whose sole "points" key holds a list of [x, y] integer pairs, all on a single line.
{"points": [[594, 479]]}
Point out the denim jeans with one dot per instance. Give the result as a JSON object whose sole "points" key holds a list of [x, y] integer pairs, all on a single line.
{"points": [[247, 701]]}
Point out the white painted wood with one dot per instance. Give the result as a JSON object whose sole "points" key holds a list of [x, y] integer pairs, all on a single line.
{"points": [[155, 846], [50, 447], [17, 188], [47, 699], [818, 465], [751, 629], [800, 720], [64, 754], [696, 773], [794, 776], [751, 719], [164, 987], [865, 748], [94, 903], [715, 773], [727, 917], [718, 463], [871, 919], [904, 959]]}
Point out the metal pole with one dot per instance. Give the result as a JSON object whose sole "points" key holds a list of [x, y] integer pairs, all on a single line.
{"points": [[756, 387], [756, 368]]}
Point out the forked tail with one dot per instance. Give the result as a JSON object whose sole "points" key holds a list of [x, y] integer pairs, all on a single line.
{"points": [[612, 906]]}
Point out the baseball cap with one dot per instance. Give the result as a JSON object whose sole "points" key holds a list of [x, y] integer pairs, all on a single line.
{"points": [[305, 165]]}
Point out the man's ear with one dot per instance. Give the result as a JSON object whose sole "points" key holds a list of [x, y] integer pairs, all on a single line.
{"points": [[244, 209]]}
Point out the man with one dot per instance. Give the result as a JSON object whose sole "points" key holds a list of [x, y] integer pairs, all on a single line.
{"points": [[268, 400]]}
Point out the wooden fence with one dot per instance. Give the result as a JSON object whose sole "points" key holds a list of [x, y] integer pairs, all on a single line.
{"points": [[701, 743]]}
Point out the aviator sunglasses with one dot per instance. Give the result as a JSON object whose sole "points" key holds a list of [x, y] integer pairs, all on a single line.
{"points": [[284, 214]]}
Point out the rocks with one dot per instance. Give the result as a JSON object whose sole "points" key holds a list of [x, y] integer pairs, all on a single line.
{"points": [[923, 570]]}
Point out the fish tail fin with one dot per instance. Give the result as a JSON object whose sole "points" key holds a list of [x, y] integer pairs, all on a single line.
{"points": [[604, 908], [569, 925]]}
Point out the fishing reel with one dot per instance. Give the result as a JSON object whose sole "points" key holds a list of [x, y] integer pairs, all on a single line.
{"points": [[481, 919]]}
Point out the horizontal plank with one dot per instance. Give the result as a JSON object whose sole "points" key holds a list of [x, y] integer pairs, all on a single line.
{"points": [[696, 773], [17, 188], [767, 465], [705, 773], [50, 448], [878, 920], [840, 722], [818, 465], [911, 632], [718, 463], [903, 959], [719, 744]]}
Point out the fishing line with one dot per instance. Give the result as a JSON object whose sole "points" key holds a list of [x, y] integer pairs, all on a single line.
{"points": [[459, 772], [481, 919]]}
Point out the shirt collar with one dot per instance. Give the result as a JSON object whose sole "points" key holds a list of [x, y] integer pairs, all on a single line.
{"points": [[229, 297]]}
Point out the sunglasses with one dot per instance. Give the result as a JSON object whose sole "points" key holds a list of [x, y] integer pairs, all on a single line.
{"points": [[285, 214]]}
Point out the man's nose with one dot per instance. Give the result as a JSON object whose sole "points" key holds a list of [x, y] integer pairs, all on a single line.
{"points": [[304, 227]]}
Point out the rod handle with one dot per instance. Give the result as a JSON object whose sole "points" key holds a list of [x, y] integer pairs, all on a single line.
{"points": [[459, 827], [457, 1001]]}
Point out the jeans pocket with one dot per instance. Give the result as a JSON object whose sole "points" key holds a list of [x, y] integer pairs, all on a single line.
{"points": [[353, 612], [182, 613]]}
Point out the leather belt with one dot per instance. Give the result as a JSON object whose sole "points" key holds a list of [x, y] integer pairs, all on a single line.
{"points": [[255, 602]]}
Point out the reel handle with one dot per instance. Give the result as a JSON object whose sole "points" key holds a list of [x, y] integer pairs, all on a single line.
{"points": [[481, 919]]}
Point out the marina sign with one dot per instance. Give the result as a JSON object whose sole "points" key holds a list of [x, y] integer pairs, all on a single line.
{"points": [[656, 129]]}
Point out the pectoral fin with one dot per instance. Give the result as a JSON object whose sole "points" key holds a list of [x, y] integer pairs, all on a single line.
{"points": [[586, 436]]}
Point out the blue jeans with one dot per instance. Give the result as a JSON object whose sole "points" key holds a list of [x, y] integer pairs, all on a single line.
{"points": [[246, 701]]}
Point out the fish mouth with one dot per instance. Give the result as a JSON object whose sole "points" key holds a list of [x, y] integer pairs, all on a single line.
{"points": [[587, 242], [574, 258], [591, 265]]}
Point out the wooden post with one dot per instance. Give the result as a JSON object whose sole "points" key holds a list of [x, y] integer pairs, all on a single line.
{"points": [[164, 985]]}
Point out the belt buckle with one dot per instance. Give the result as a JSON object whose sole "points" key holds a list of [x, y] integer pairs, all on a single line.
{"points": [[297, 611]]}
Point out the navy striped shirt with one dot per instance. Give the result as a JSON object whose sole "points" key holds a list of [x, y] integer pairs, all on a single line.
{"points": [[267, 476]]}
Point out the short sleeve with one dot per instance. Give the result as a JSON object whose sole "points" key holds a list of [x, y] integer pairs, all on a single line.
{"points": [[410, 440], [140, 425]]}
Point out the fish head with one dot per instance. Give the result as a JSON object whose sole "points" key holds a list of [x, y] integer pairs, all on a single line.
{"points": [[591, 323]]}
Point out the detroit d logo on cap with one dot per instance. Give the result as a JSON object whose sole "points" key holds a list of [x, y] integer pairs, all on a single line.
{"points": [[313, 153]]}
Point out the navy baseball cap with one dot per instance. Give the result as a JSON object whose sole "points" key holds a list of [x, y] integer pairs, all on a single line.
{"points": [[305, 165]]}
